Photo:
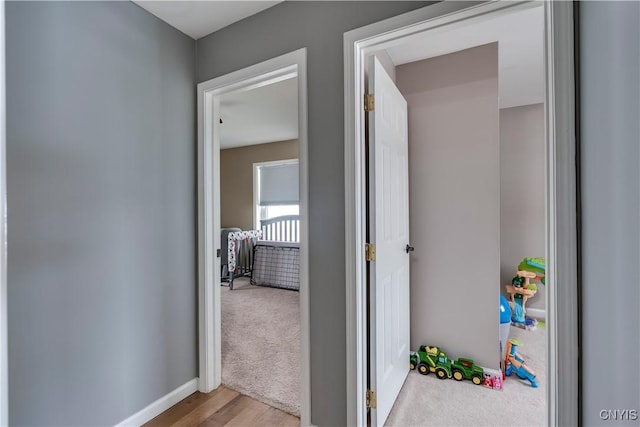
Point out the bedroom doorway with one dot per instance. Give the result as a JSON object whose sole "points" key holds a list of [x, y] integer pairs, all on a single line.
{"points": [[236, 355], [260, 246], [560, 191]]}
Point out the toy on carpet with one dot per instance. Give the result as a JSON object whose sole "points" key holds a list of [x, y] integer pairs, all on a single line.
{"points": [[529, 324], [432, 359], [413, 360], [521, 289], [515, 363], [492, 379], [505, 324]]}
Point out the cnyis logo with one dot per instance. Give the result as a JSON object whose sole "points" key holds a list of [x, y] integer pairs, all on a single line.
{"points": [[619, 414]]}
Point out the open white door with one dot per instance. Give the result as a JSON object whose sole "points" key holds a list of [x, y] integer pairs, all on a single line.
{"points": [[389, 232]]}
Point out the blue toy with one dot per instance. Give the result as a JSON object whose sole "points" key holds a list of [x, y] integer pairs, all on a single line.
{"points": [[518, 311], [515, 363], [505, 310]]}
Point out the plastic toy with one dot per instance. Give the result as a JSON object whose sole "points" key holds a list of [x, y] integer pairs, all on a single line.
{"points": [[505, 310], [432, 359], [520, 290], [413, 360], [534, 265], [515, 363], [505, 324], [521, 287], [465, 369], [529, 324], [492, 379]]}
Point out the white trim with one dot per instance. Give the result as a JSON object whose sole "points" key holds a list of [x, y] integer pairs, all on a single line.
{"points": [[268, 72], [4, 367], [161, 405], [256, 192], [208, 280], [561, 250], [562, 233], [276, 162]]}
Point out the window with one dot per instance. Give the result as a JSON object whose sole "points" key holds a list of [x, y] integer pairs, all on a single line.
{"points": [[276, 189]]}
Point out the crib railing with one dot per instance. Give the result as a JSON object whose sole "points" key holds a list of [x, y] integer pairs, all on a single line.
{"points": [[240, 253], [281, 228]]}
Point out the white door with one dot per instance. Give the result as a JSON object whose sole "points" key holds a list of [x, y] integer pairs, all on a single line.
{"points": [[389, 231]]}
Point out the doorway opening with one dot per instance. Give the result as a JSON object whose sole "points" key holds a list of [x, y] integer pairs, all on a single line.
{"points": [[260, 246], [366, 362], [232, 251]]}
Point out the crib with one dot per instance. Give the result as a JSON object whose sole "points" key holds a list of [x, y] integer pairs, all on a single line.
{"points": [[270, 256], [284, 228]]}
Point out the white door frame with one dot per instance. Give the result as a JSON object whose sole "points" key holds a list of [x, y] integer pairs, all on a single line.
{"points": [[4, 370], [560, 191], [209, 335]]}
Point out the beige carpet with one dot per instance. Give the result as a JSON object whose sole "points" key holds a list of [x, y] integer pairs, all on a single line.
{"points": [[428, 401], [261, 344]]}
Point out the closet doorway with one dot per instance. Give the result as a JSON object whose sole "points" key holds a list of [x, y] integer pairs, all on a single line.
{"points": [[560, 199]]}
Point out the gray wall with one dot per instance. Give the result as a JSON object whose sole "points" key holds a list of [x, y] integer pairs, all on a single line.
{"points": [[522, 200], [454, 199], [610, 92], [102, 210], [318, 26], [101, 199]]}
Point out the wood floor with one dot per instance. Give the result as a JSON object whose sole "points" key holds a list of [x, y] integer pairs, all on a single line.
{"points": [[222, 407]]}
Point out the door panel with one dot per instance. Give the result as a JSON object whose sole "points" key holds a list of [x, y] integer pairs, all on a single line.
{"points": [[389, 231]]}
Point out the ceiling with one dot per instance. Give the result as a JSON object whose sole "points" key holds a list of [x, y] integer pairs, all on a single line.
{"points": [[257, 116], [269, 113], [199, 18], [520, 37]]}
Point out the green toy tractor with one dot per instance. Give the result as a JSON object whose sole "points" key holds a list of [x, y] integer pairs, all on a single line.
{"points": [[465, 369], [413, 360], [431, 359]]}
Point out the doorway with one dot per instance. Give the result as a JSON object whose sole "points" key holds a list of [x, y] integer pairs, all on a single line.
{"points": [[259, 185], [261, 75], [560, 250]]}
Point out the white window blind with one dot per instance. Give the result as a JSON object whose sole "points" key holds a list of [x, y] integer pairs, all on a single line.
{"points": [[279, 184]]}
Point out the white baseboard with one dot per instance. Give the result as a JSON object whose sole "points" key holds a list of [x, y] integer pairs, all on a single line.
{"points": [[537, 313], [160, 405]]}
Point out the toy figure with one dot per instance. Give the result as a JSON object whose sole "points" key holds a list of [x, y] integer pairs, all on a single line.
{"points": [[515, 363]]}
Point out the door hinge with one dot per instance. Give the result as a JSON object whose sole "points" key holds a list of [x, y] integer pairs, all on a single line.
{"points": [[369, 102], [217, 253], [370, 252], [371, 399]]}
